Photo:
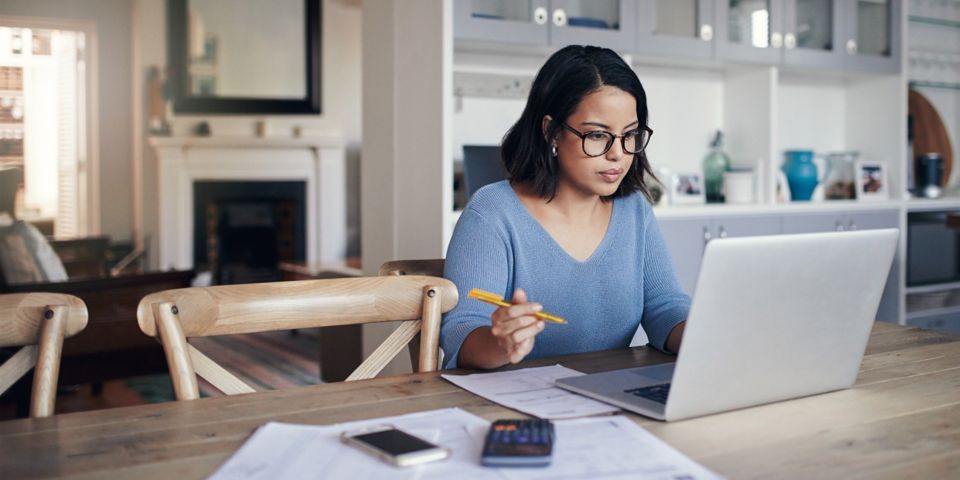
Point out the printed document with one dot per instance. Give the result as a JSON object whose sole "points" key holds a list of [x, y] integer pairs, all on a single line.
{"points": [[609, 447], [531, 391]]}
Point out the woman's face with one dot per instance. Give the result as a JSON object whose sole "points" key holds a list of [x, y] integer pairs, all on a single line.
{"points": [[608, 109]]}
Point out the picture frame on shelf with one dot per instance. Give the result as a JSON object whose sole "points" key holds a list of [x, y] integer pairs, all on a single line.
{"points": [[686, 188], [871, 181]]}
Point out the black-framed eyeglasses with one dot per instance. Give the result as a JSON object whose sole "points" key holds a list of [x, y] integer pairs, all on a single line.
{"points": [[598, 142]]}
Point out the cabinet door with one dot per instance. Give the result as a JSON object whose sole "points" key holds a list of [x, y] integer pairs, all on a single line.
{"points": [[610, 23], [874, 220], [754, 226], [685, 238], [812, 32], [872, 35], [814, 222], [677, 28], [506, 21], [750, 30]]}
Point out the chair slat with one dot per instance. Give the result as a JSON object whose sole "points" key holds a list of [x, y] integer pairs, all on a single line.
{"points": [[17, 366], [218, 376], [390, 347]]}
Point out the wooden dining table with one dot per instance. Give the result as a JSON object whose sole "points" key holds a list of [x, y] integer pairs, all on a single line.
{"points": [[900, 420]]}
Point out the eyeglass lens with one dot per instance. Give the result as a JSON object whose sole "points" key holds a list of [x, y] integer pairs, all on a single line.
{"points": [[597, 143]]}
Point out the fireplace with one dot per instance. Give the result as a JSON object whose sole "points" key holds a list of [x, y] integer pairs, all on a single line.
{"points": [[317, 163], [242, 230]]}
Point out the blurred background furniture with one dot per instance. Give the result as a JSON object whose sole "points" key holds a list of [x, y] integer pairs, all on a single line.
{"points": [[111, 346]]}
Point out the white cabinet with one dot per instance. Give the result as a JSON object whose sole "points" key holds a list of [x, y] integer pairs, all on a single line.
{"points": [[610, 23], [686, 238], [676, 28], [854, 35]]}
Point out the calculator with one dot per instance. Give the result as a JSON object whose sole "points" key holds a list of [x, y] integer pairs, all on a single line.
{"points": [[518, 443]]}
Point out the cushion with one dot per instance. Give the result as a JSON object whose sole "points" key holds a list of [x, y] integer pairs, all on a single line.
{"points": [[26, 256]]}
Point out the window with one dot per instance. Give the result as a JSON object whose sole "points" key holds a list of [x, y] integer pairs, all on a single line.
{"points": [[43, 123]]}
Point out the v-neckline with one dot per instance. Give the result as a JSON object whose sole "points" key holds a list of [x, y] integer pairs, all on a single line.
{"points": [[594, 255]]}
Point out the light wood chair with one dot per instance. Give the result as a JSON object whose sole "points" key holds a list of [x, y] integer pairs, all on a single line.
{"points": [[430, 266], [175, 315], [38, 322]]}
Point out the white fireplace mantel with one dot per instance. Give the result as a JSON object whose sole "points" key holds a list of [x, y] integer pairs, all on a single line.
{"points": [[318, 161]]}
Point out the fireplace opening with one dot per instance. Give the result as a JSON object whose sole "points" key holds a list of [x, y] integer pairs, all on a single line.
{"points": [[242, 230]]}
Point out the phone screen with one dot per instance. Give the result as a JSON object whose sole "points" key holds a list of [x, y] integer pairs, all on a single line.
{"points": [[394, 442]]}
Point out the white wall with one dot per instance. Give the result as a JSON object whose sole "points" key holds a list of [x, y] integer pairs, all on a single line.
{"points": [[112, 19], [341, 81]]}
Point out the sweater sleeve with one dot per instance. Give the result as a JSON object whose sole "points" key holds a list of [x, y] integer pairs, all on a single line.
{"points": [[476, 258], [664, 303]]}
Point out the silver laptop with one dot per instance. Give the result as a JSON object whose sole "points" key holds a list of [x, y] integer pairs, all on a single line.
{"points": [[773, 318]]}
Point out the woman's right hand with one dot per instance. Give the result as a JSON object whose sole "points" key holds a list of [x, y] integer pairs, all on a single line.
{"points": [[515, 327]]}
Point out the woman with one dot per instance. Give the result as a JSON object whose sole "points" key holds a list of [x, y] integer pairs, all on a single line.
{"points": [[570, 229]]}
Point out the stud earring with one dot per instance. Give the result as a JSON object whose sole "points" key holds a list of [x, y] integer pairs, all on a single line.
{"points": [[553, 149]]}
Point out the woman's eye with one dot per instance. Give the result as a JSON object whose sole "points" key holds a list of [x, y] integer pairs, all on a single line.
{"points": [[632, 134], [597, 136]]}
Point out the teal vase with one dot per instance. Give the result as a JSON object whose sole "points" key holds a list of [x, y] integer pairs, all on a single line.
{"points": [[714, 164], [801, 174]]}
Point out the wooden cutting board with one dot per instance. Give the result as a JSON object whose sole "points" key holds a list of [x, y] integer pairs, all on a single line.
{"points": [[929, 133]]}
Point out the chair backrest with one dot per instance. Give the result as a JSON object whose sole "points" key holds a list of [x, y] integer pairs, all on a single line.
{"points": [[38, 322], [432, 267], [175, 315]]}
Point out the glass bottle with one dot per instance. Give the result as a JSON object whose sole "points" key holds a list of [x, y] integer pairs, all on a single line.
{"points": [[714, 164]]}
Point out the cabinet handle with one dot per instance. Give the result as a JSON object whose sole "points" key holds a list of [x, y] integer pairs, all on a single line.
{"points": [[789, 41], [707, 236], [540, 15], [852, 226], [838, 226], [776, 40], [722, 232], [559, 17], [706, 32], [851, 47]]}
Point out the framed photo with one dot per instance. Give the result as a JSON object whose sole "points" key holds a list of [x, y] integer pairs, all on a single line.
{"points": [[687, 188], [872, 181]]}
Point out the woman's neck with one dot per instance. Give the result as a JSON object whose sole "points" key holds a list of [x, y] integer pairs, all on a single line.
{"points": [[568, 204]]}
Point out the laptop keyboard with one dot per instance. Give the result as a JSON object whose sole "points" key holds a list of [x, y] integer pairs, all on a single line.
{"points": [[657, 393]]}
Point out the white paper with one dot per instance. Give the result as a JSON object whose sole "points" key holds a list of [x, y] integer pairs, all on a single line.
{"points": [[610, 447], [279, 451], [532, 391]]}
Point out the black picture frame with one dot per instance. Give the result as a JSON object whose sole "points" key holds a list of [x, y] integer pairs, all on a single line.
{"points": [[184, 102]]}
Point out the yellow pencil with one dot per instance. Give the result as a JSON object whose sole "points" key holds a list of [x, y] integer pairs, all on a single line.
{"points": [[495, 299]]}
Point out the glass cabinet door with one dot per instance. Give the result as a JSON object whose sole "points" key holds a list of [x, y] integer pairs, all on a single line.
{"points": [[872, 40], [750, 30], [505, 21], [610, 23], [676, 28], [811, 34]]}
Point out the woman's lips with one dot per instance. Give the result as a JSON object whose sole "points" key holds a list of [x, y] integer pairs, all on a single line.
{"points": [[611, 175]]}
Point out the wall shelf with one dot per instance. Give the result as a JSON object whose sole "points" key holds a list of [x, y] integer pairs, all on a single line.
{"points": [[935, 21], [943, 85]]}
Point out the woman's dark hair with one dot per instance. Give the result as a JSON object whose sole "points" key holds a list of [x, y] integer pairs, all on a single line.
{"points": [[570, 74]]}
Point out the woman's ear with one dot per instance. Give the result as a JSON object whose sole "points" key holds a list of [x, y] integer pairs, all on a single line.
{"points": [[545, 126]]}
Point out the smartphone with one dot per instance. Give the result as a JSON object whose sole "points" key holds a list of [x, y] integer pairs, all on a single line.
{"points": [[394, 446]]}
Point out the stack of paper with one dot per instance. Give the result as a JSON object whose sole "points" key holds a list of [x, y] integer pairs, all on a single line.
{"points": [[608, 447]]}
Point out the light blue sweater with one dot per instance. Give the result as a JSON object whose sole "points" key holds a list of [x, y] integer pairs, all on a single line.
{"points": [[628, 281]]}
